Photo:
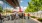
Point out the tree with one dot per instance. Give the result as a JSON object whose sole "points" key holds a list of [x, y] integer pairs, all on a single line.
{"points": [[0, 9], [34, 6], [8, 11]]}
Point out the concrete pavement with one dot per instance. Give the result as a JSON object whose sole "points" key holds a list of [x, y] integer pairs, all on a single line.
{"points": [[14, 21], [21, 21]]}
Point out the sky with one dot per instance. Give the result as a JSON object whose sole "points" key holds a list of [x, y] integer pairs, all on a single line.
{"points": [[23, 4]]}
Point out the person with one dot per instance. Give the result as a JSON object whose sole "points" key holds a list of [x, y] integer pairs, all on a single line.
{"points": [[24, 15], [20, 15], [17, 16], [28, 15], [14, 16], [0, 19]]}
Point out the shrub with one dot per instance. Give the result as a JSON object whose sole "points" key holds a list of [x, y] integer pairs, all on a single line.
{"points": [[33, 16], [39, 19]]}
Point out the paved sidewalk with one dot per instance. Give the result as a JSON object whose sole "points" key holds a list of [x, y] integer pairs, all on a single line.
{"points": [[22, 21], [35, 20]]}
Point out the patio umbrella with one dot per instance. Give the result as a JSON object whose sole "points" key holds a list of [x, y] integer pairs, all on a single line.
{"points": [[20, 10]]}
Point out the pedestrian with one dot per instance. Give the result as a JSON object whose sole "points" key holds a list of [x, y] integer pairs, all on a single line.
{"points": [[28, 15], [14, 16], [0, 19], [20, 15], [17, 16], [24, 15]]}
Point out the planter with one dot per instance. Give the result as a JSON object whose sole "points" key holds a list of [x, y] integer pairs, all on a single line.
{"points": [[39, 19], [33, 17], [36, 20]]}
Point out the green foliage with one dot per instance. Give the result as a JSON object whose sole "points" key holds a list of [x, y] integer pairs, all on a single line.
{"points": [[33, 16], [39, 19], [34, 6], [7, 10], [0, 9]]}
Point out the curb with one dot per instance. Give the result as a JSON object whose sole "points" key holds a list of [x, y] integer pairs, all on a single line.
{"points": [[36, 20]]}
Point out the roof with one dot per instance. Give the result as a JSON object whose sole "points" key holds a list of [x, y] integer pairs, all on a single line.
{"points": [[14, 3]]}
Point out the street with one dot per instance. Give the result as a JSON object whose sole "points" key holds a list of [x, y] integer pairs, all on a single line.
{"points": [[20, 11], [21, 21]]}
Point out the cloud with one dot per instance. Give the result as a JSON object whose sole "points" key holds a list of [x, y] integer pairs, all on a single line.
{"points": [[23, 8], [9, 8], [21, 1], [1, 2]]}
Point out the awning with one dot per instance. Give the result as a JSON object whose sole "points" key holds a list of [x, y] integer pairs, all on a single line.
{"points": [[14, 3]]}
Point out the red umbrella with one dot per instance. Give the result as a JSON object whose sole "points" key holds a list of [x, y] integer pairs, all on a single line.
{"points": [[20, 10]]}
